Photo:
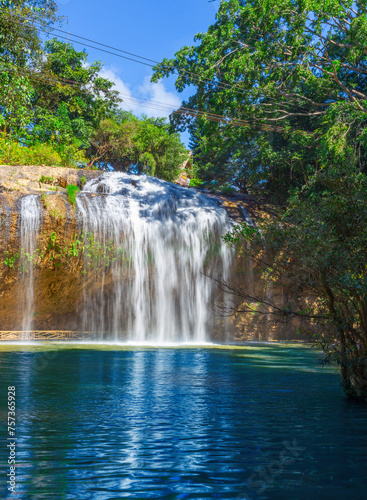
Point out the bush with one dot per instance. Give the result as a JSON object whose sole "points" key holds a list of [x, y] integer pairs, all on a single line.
{"points": [[196, 182], [227, 189], [71, 156], [46, 180], [13, 153], [72, 192]]}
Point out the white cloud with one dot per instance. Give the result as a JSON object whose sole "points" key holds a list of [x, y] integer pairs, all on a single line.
{"points": [[151, 99]]}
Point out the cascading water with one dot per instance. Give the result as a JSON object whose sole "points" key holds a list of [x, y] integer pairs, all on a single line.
{"points": [[30, 218], [165, 237]]}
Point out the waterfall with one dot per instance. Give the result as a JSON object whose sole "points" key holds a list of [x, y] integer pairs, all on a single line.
{"points": [[30, 217], [165, 239]]}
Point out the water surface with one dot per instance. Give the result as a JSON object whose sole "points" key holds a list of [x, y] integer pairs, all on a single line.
{"points": [[108, 422]]}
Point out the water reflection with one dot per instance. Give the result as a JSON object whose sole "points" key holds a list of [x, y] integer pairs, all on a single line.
{"points": [[256, 423]]}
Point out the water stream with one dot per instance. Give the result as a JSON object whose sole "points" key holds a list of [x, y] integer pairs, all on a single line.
{"points": [[30, 218], [167, 240]]}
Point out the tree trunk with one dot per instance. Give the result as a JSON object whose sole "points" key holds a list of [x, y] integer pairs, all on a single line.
{"points": [[353, 370]]}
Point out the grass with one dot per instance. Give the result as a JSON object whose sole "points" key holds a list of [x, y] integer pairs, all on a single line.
{"points": [[44, 200]]}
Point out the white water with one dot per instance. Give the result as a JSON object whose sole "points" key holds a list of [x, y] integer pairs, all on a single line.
{"points": [[30, 218], [168, 237]]}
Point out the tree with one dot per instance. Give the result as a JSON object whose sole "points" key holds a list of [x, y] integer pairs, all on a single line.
{"points": [[16, 93], [294, 71], [158, 150], [112, 143], [139, 145], [20, 47], [318, 247], [20, 26], [70, 97], [229, 157]]}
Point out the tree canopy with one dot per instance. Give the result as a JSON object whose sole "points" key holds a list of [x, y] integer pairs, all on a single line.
{"points": [[51, 95], [292, 73], [146, 145]]}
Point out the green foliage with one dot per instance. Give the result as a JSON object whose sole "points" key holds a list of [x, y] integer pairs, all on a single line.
{"points": [[13, 153], [9, 260], [46, 180], [84, 249], [196, 182], [20, 46], [145, 145], [16, 93], [20, 41], [56, 214], [227, 189], [294, 72], [72, 191], [66, 115], [44, 200], [83, 180]]}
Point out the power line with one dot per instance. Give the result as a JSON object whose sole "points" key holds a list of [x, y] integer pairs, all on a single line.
{"points": [[83, 38], [77, 85], [182, 110], [157, 105], [166, 107], [221, 85]]}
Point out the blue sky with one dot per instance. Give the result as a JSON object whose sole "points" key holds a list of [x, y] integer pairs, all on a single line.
{"points": [[153, 29]]}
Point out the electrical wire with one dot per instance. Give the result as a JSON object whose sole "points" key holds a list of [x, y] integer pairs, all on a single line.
{"points": [[221, 85], [148, 103], [153, 104]]}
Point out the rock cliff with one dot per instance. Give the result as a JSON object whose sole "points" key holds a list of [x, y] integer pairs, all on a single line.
{"points": [[58, 260]]}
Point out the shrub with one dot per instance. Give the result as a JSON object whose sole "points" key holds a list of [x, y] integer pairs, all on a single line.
{"points": [[71, 156], [40, 154], [72, 192], [13, 153], [83, 180], [196, 182], [227, 189], [46, 180]]}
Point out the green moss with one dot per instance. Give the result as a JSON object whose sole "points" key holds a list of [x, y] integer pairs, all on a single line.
{"points": [[72, 192]]}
